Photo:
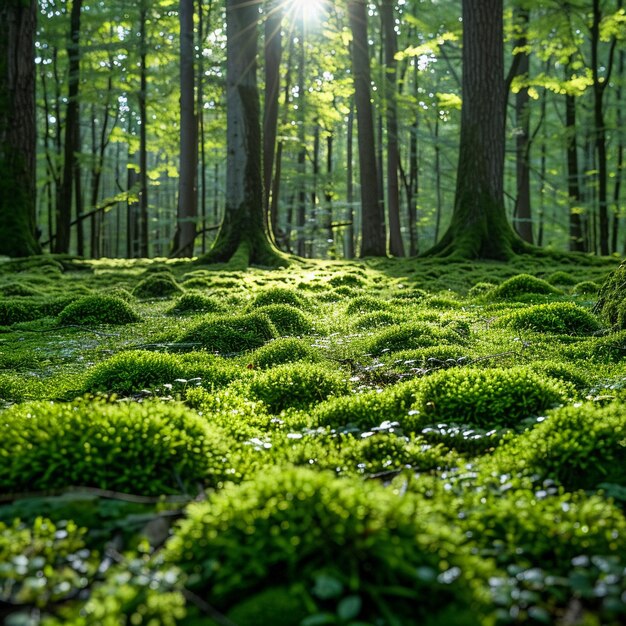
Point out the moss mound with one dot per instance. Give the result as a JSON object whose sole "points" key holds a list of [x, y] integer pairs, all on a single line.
{"points": [[563, 318], [298, 525], [194, 302], [98, 309], [288, 320], [231, 334], [297, 385], [278, 295], [147, 448], [522, 284], [408, 336], [578, 446], [157, 285], [284, 350], [365, 304], [14, 311], [586, 288], [487, 397]]}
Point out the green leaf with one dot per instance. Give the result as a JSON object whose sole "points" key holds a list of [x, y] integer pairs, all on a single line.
{"points": [[349, 608]]}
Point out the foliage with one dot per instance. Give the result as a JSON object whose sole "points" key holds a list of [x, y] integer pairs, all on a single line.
{"points": [[146, 448], [98, 309]]}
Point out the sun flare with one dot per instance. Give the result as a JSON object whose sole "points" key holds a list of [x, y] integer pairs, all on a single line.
{"points": [[307, 10]]}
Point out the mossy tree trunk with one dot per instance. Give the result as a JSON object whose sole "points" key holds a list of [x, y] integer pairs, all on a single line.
{"points": [[17, 128], [243, 233], [479, 226]]}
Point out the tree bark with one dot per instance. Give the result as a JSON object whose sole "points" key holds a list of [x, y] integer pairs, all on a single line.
{"points": [[373, 240], [576, 238], [523, 211], [17, 129], [143, 128], [243, 232], [479, 227], [273, 56], [64, 209], [187, 214], [396, 246]]}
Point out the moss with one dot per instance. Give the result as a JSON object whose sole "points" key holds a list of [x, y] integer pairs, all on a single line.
{"points": [[288, 320], [374, 320], [157, 285], [23, 290], [279, 606], [369, 536], [556, 317], [522, 284], [230, 334], [365, 304], [561, 278], [409, 335], [487, 397], [297, 385], [147, 448], [278, 295], [194, 302], [284, 350], [578, 446], [586, 288], [14, 310], [98, 309]]}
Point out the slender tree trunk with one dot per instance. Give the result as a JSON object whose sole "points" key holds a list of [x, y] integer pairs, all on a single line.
{"points": [[350, 230], [328, 192], [185, 236], [576, 238], [619, 159], [64, 210], [200, 80], [523, 212], [373, 240], [396, 246], [275, 195], [301, 212], [273, 56], [17, 129], [599, 85], [438, 193], [143, 128]]}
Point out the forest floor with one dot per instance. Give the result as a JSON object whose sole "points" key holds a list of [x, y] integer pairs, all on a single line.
{"points": [[378, 443]]}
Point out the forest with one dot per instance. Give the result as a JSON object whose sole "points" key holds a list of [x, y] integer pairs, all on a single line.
{"points": [[312, 313]]}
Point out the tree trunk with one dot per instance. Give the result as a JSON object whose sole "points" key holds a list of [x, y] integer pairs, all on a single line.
{"points": [[273, 55], [349, 239], [523, 212], [619, 161], [479, 227], [301, 168], [243, 232], [396, 246], [185, 235], [576, 239], [64, 209], [143, 147], [17, 129], [373, 240]]}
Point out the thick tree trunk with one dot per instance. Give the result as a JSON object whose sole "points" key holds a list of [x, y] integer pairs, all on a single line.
{"points": [[479, 227], [523, 212], [396, 246], [373, 240], [17, 129], [185, 235], [243, 232], [64, 208]]}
